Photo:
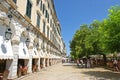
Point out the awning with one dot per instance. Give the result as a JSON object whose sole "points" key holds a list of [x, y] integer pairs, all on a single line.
{"points": [[5, 50], [35, 53], [23, 51]]}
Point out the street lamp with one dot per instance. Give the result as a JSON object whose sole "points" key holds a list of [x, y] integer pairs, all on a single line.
{"points": [[43, 47], [8, 34], [37, 45], [27, 41]]}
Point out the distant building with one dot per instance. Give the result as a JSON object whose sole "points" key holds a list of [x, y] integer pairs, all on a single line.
{"points": [[30, 36]]}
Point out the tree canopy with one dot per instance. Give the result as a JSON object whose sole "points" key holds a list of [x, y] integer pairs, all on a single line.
{"points": [[98, 37]]}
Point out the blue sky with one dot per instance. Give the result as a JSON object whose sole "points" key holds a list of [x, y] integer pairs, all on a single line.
{"points": [[73, 13]]}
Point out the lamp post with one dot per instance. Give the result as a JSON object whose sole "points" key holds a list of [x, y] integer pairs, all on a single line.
{"points": [[8, 34], [37, 45], [43, 47], [27, 41]]}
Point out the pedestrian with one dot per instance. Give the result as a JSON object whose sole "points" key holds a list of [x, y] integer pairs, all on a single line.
{"points": [[78, 63], [63, 61], [115, 65], [91, 63], [81, 61], [88, 63]]}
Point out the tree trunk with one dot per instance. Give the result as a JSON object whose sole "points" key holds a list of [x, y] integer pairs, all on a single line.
{"points": [[104, 58]]}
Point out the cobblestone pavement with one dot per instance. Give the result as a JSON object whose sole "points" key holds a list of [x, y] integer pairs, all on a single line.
{"points": [[68, 72]]}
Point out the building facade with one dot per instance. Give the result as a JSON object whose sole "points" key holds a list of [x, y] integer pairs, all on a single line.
{"points": [[30, 37]]}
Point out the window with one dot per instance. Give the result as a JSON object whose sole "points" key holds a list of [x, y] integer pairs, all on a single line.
{"points": [[50, 11], [50, 22], [46, 13], [51, 36], [48, 32], [43, 47], [37, 2], [43, 10], [41, 5], [48, 5], [38, 20], [15, 1], [28, 8], [44, 27], [48, 18]]}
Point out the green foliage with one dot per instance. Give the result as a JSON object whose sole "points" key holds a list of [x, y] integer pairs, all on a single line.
{"points": [[98, 37], [111, 29]]}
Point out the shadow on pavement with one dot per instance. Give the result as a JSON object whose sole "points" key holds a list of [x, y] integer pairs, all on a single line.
{"points": [[104, 74]]}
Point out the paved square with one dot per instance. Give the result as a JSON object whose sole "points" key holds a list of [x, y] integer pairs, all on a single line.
{"points": [[71, 72]]}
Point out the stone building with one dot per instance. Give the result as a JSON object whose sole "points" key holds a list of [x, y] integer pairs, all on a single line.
{"points": [[30, 36]]}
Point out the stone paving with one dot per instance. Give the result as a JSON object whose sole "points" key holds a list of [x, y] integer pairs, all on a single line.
{"points": [[71, 72]]}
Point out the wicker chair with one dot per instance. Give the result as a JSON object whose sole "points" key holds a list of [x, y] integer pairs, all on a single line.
{"points": [[19, 72], [24, 70], [5, 74]]}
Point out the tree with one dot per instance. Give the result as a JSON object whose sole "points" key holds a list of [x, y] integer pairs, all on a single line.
{"points": [[110, 30], [78, 43], [95, 37], [98, 37]]}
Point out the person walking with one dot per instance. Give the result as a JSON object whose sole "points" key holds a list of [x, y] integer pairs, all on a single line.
{"points": [[81, 61], [91, 63], [88, 63], [78, 63], [115, 65]]}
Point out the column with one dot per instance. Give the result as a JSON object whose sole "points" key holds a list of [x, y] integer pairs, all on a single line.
{"points": [[30, 59], [39, 58], [30, 50], [52, 61], [15, 46], [48, 62], [38, 63], [44, 63]]}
